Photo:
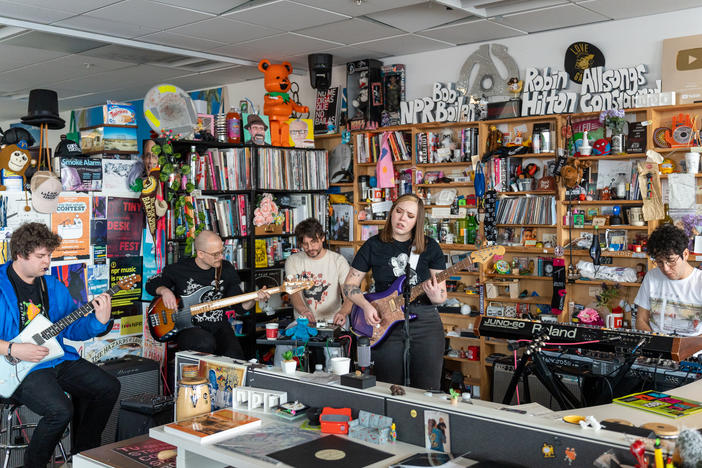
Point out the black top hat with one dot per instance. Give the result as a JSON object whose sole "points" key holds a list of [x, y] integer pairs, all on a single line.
{"points": [[253, 119], [43, 109]]}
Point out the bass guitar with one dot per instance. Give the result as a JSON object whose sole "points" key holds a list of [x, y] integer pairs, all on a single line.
{"points": [[42, 332], [390, 303], [165, 323]]}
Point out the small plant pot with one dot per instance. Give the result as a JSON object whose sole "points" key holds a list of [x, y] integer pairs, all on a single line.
{"points": [[454, 401], [289, 366]]}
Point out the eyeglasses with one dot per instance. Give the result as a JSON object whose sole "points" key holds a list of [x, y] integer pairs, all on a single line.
{"points": [[298, 132], [217, 254], [669, 262]]}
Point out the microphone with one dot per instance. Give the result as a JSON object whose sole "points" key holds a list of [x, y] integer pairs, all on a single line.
{"points": [[363, 354], [689, 444]]}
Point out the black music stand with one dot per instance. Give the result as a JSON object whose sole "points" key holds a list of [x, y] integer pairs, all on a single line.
{"points": [[551, 381]]}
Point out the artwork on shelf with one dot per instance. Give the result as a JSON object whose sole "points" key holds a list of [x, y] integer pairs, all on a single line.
{"points": [[301, 133], [205, 123], [256, 129], [326, 111], [342, 223]]}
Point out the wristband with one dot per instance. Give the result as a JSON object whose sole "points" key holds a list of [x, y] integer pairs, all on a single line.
{"points": [[9, 349]]}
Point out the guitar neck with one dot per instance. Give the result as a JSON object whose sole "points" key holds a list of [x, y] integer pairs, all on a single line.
{"points": [[81, 312], [227, 301], [444, 275]]}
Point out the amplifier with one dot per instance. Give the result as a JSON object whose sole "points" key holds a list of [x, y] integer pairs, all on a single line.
{"points": [[137, 375]]}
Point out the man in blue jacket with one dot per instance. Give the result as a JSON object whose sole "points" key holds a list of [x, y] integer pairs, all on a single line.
{"points": [[25, 293]]}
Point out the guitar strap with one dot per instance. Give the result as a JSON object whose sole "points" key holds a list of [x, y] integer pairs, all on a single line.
{"points": [[218, 275]]}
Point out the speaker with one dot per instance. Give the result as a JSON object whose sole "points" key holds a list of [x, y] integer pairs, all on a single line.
{"points": [[136, 375], [320, 66]]}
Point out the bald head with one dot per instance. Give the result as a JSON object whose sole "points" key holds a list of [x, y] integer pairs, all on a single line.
{"points": [[205, 239]]}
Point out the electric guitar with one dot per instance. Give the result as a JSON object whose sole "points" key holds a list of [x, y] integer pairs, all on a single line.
{"points": [[165, 323], [42, 332], [390, 303]]}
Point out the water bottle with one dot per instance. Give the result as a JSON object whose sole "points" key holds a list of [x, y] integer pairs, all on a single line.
{"points": [[239, 256]]}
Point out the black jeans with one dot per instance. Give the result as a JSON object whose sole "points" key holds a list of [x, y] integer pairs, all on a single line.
{"points": [[43, 391], [218, 338], [426, 351]]}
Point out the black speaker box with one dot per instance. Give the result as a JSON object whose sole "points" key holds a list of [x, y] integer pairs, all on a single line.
{"points": [[137, 375]]}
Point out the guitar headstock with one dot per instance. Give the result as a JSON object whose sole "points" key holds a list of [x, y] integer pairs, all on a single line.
{"points": [[291, 287], [483, 255], [128, 282]]}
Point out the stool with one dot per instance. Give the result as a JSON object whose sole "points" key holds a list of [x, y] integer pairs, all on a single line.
{"points": [[14, 425]]}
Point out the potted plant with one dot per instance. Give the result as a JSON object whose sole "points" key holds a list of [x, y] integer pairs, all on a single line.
{"points": [[288, 364], [613, 119]]}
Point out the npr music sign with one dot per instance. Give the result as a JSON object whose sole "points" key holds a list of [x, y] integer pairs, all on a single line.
{"points": [[446, 104], [545, 91]]}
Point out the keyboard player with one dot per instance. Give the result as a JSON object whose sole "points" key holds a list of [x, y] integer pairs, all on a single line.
{"points": [[670, 297]]}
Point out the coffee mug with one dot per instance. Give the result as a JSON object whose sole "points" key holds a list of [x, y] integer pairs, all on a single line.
{"points": [[271, 331], [636, 216], [340, 365], [615, 321]]}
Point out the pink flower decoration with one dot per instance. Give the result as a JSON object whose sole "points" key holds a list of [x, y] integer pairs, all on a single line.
{"points": [[266, 211]]}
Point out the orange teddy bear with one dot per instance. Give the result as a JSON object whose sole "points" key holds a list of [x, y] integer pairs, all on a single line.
{"points": [[277, 104]]}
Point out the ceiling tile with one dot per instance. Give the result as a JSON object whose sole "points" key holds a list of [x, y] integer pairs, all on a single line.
{"points": [[351, 8], [208, 6], [58, 43], [118, 79], [105, 26], [632, 8], [15, 57], [551, 18], [46, 73], [349, 31], [217, 78], [471, 31], [180, 40], [285, 15], [276, 48], [405, 44], [225, 30], [73, 6], [39, 14], [419, 17], [131, 54], [148, 13], [12, 109]]}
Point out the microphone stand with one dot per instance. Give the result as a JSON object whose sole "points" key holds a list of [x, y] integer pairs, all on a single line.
{"points": [[407, 294]]}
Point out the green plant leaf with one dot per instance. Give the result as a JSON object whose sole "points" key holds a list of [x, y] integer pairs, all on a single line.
{"points": [[167, 168], [156, 149], [185, 169], [189, 205], [201, 216], [162, 160], [180, 230], [177, 156], [189, 187], [168, 148], [169, 197], [175, 185], [163, 177]]}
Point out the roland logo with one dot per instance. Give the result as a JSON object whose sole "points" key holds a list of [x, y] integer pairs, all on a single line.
{"points": [[503, 323], [554, 332]]}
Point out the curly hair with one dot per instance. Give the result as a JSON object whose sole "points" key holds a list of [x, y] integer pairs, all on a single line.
{"points": [[309, 228], [30, 237], [666, 241]]}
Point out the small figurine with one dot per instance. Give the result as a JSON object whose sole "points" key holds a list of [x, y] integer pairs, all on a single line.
{"points": [[640, 272], [393, 433], [396, 390], [361, 102], [515, 86]]}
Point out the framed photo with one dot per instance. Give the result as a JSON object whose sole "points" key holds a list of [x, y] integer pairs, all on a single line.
{"points": [[205, 122], [256, 129], [301, 133]]}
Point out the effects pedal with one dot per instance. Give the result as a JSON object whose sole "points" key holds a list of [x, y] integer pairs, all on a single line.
{"points": [[147, 403]]}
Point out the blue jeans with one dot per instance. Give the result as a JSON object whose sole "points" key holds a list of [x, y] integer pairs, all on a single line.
{"points": [[94, 393]]}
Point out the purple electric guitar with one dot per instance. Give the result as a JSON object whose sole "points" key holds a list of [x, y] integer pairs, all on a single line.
{"points": [[390, 303]]}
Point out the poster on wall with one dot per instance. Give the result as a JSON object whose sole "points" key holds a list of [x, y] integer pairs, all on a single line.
{"points": [[71, 221], [153, 261], [125, 223], [81, 174], [16, 214], [326, 111], [301, 133], [73, 277], [681, 68], [123, 302], [112, 348], [115, 174], [98, 278]]}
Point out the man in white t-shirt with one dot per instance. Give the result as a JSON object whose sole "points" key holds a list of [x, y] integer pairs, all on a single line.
{"points": [[322, 302], [670, 298]]}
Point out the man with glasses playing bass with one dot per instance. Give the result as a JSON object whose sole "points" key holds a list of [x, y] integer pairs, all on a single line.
{"points": [[670, 298], [212, 332]]}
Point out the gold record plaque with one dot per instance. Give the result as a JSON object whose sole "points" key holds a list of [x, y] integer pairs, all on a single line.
{"points": [[580, 56]]}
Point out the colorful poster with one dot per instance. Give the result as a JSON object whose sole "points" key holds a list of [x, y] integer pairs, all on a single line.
{"points": [[125, 222], [153, 261], [256, 129], [98, 278], [81, 174], [662, 404], [326, 111], [123, 302], [116, 174], [71, 221], [437, 433], [73, 277], [98, 231], [15, 215], [112, 348], [99, 207], [301, 133]]}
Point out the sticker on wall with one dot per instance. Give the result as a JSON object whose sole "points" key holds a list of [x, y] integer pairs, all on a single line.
{"points": [[547, 451], [570, 455], [580, 56], [413, 413]]}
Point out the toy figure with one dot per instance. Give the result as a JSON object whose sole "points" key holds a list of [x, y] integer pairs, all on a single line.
{"points": [[361, 102], [302, 331], [15, 158], [515, 86], [640, 272], [393, 433], [277, 104]]}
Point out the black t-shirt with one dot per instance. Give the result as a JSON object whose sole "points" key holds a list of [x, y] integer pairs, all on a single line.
{"points": [[185, 278], [29, 298], [388, 261]]}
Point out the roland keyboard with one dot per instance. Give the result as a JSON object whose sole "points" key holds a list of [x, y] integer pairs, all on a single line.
{"points": [[675, 347]]}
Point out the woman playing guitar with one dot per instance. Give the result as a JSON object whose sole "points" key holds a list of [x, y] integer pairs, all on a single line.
{"points": [[386, 254]]}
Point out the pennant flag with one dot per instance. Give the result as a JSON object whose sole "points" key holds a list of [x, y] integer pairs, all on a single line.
{"points": [[384, 170]]}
